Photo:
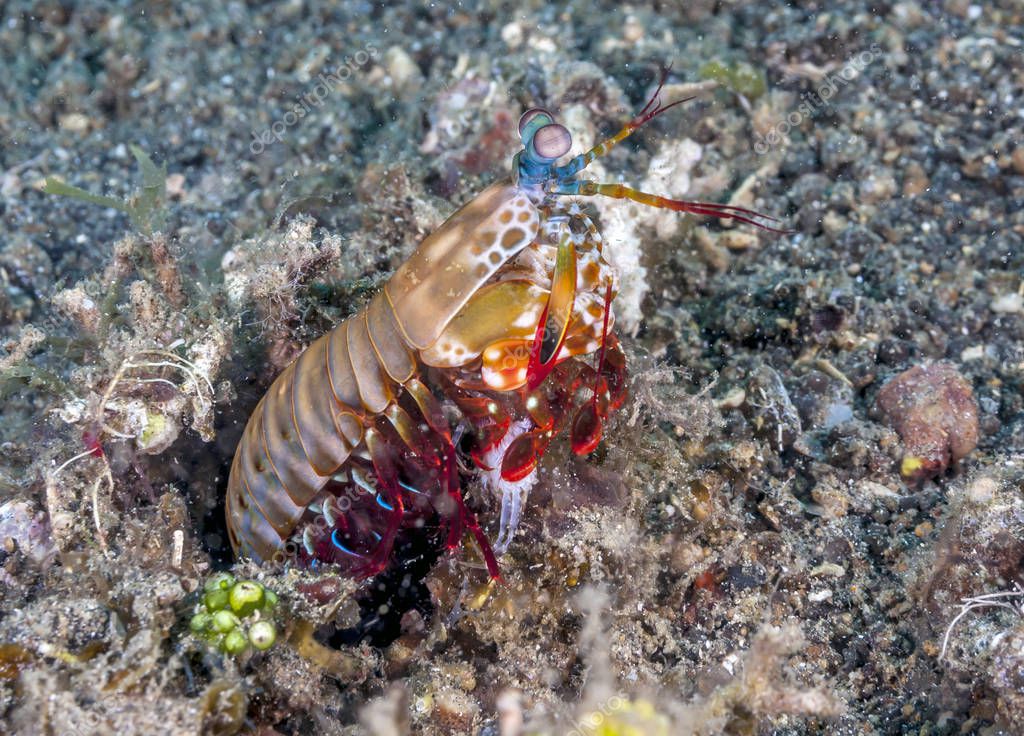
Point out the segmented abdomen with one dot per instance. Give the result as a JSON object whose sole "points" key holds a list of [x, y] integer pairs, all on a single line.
{"points": [[316, 413], [309, 422]]}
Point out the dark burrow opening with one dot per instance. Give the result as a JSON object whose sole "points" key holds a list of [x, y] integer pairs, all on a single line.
{"points": [[399, 589]]}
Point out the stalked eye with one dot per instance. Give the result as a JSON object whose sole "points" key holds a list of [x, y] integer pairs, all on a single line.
{"points": [[530, 115], [552, 141]]}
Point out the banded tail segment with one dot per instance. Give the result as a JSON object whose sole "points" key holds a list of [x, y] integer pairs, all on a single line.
{"points": [[309, 423]]}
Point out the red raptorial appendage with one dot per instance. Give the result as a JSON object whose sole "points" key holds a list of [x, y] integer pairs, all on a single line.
{"points": [[587, 429], [520, 458]]}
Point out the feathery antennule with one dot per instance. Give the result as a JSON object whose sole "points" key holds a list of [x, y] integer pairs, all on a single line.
{"points": [[566, 183], [651, 110]]}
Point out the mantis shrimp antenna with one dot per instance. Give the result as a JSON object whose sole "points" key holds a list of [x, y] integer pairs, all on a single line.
{"points": [[567, 183], [651, 110], [711, 209]]}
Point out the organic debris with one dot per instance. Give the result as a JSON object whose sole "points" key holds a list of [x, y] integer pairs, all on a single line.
{"points": [[933, 409]]}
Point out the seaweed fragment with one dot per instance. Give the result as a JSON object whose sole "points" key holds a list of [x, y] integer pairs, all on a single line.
{"points": [[145, 208]]}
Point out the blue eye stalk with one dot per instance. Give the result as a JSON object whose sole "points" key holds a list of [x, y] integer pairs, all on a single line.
{"points": [[544, 142]]}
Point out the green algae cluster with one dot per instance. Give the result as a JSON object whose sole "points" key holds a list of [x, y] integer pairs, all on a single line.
{"points": [[235, 615]]}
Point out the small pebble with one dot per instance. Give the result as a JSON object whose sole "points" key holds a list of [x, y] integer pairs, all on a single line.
{"points": [[74, 122], [974, 352], [404, 73], [738, 240], [512, 35], [915, 180], [734, 399], [1017, 158], [1011, 303], [633, 29]]}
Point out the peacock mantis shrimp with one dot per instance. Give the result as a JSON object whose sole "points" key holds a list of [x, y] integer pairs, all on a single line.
{"points": [[493, 339]]}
